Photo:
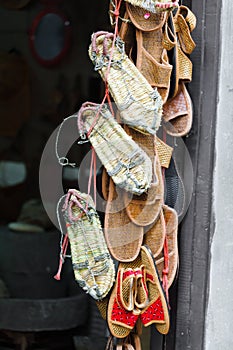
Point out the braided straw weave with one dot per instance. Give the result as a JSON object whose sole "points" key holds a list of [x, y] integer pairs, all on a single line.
{"points": [[123, 237], [128, 165], [92, 264], [155, 234], [139, 104], [164, 152], [155, 5], [143, 210], [152, 59]]}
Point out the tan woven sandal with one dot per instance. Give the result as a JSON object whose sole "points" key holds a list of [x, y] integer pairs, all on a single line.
{"points": [[123, 237], [171, 220], [152, 59], [143, 281], [126, 163], [92, 264], [154, 235], [122, 314], [177, 37], [155, 5], [143, 210], [178, 113], [139, 104]]}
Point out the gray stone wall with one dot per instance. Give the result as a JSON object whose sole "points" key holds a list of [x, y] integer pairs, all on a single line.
{"points": [[220, 306]]}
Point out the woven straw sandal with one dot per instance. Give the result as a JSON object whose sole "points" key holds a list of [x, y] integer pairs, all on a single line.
{"points": [[155, 234], [155, 6], [122, 314], [93, 267], [171, 220], [144, 289], [152, 59], [178, 113], [128, 165], [139, 104], [123, 237], [143, 210]]}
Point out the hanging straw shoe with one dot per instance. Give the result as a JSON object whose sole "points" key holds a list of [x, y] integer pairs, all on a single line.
{"points": [[122, 312], [128, 165], [123, 237], [171, 221], [178, 111], [179, 44], [152, 59], [137, 294], [155, 6], [154, 235], [143, 210], [139, 104], [93, 267]]}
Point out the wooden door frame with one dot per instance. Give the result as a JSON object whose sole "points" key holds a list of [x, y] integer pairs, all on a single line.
{"points": [[190, 294]]}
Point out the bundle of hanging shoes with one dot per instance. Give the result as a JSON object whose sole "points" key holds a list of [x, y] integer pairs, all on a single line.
{"points": [[145, 65]]}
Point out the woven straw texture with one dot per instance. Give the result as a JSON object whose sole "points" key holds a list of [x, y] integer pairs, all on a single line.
{"points": [[123, 237], [128, 165], [185, 23], [178, 113], [155, 234], [164, 153], [152, 59], [139, 104], [144, 210], [154, 5], [171, 220], [93, 267], [143, 261]]}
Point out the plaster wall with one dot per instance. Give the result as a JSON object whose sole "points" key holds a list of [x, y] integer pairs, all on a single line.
{"points": [[220, 305]]}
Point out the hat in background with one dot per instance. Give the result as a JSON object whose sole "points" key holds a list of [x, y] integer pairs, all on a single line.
{"points": [[32, 218], [14, 4]]}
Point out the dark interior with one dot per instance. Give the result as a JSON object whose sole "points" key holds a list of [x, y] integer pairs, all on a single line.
{"points": [[45, 75]]}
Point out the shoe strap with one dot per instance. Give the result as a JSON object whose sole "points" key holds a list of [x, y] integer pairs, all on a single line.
{"points": [[185, 22], [169, 38]]}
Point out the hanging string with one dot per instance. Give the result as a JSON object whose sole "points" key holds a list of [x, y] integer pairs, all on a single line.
{"points": [[165, 246], [63, 241], [116, 13], [106, 95], [92, 172], [63, 160]]}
